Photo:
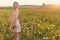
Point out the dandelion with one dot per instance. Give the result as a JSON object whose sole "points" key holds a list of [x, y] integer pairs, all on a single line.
{"points": [[28, 31], [38, 24], [48, 28], [31, 28], [53, 37], [52, 25], [9, 17], [7, 35], [23, 30], [40, 21], [45, 38], [27, 28], [2, 24], [51, 31]]}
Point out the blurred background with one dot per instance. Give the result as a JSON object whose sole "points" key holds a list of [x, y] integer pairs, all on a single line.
{"points": [[39, 19]]}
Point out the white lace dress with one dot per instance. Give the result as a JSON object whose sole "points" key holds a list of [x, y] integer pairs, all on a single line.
{"points": [[17, 28]]}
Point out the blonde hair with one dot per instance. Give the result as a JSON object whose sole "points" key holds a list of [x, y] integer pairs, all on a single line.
{"points": [[16, 3]]}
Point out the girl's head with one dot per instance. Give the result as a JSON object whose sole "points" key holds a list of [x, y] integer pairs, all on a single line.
{"points": [[15, 5]]}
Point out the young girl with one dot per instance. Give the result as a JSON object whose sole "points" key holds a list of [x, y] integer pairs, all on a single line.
{"points": [[14, 25]]}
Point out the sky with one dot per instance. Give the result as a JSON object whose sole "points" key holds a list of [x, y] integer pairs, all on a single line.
{"points": [[28, 2]]}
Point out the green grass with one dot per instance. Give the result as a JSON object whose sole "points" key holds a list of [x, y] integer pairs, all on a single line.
{"points": [[36, 24]]}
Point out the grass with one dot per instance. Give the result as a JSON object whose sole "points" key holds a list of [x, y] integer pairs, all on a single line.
{"points": [[36, 23]]}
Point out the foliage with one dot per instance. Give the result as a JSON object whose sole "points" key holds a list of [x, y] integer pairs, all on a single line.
{"points": [[36, 24]]}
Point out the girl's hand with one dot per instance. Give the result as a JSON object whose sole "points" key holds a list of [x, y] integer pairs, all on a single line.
{"points": [[11, 26]]}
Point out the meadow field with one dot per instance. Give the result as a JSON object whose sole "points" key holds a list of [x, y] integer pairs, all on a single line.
{"points": [[37, 23]]}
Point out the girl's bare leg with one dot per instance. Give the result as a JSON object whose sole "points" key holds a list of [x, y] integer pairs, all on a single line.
{"points": [[16, 36]]}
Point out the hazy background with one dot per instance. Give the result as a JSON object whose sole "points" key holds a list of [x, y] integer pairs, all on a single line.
{"points": [[36, 22], [28, 2]]}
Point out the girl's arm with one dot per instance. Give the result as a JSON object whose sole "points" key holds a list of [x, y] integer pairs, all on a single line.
{"points": [[13, 21]]}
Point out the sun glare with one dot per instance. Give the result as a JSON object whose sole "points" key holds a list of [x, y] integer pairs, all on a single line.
{"points": [[56, 6]]}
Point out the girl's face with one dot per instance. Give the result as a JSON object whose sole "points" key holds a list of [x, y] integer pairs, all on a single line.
{"points": [[15, 5]]}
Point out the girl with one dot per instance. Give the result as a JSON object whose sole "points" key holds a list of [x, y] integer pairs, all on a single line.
{"points": [[14, 25]]}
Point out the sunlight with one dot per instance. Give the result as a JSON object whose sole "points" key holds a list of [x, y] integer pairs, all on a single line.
{"points": [[56, 6]]}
